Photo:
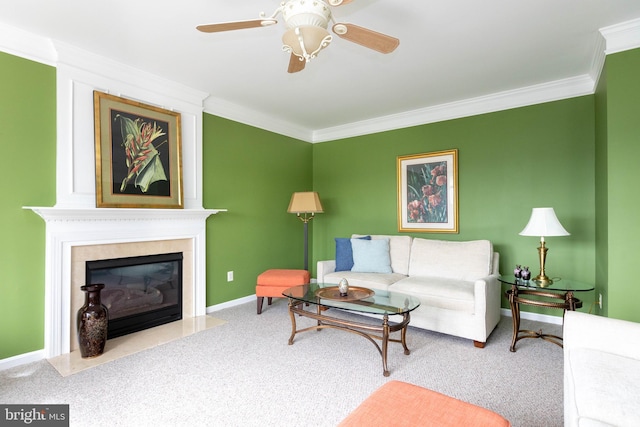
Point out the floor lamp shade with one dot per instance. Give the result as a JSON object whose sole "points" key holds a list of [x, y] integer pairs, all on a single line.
{"points": [[305, 202], [305, 205]]}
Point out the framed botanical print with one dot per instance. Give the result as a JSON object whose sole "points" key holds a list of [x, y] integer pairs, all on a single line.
{"points": [[428, 192], [138, 154]]}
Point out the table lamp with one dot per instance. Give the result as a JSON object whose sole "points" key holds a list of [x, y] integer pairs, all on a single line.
{"points": [[305, 205], [543, 222]]}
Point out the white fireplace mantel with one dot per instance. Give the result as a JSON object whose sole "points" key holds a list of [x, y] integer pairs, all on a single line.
{"points": [[68, 227], [120, 214]]}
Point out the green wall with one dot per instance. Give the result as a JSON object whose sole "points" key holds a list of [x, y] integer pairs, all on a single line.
{"points": [[509, 162], [623, 174], [27, 169], [252, 173]]}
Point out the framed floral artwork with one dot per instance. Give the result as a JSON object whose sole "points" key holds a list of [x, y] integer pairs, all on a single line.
{"points": [[138, 154], [428, 192]]}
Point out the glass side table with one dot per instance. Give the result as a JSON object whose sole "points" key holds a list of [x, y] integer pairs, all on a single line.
{"points": [[559, 294]]}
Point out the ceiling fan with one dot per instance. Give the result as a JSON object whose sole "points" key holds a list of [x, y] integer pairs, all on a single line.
{"points": [[306, 35]]}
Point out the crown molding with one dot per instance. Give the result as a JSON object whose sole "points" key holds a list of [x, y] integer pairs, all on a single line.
{"points": [[27, 45], [597, 62], [622, 36], [522, 97], [240, 114], [611, 39], [536, 94]]}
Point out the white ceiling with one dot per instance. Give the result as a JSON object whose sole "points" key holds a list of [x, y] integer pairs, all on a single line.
{"points": [[450, 51]]}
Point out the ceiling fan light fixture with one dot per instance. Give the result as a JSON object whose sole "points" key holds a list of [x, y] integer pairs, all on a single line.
{"points": [[300, 13], [305, 42], [307, 23]]}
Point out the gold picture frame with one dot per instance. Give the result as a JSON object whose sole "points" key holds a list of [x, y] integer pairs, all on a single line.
{"points": [[138, 154], [428, 192]]}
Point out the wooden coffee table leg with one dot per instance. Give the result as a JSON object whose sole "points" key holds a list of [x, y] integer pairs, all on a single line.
{"points": [[403, 333], [293, 321], [385, 344]]}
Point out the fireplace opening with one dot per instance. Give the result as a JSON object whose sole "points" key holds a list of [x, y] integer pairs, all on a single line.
{"points": [[140, 292]]}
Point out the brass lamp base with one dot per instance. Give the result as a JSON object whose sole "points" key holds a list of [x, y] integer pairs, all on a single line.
{"points": [[543, 281]]}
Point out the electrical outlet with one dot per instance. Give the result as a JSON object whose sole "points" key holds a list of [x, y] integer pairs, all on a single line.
{"points": [[229, 276], [600, 302]]}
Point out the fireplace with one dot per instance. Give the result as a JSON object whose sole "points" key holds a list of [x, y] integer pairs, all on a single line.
{"points": [[75, 236], [140, 292]]}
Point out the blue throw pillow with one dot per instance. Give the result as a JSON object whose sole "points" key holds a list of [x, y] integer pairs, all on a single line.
{"points": [[344, 254], [371, 256]]}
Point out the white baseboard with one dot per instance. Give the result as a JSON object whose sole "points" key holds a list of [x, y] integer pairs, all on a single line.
{"points": [[21, 359], [556, 320], [231, 303]]}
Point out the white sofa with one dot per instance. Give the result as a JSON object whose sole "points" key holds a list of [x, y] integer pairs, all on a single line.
{"points": [[601, 371], [456, 283]]}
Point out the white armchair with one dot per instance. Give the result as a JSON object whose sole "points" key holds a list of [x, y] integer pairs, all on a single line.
{"points": [[601, 371]]}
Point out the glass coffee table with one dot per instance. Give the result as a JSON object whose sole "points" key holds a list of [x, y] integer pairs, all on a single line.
{"points": [[559, 294], [325, 298]]}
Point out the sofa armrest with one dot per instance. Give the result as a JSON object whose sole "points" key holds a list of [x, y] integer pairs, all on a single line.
{"points": [[488, 293], [495, 270], [589, 331], [324, 268]]}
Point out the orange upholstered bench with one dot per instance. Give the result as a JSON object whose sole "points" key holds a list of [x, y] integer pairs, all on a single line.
{"points": [[402, 404], [273, 282]]}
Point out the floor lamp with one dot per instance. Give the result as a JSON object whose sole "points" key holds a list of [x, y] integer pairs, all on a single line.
{"points": [[305, 205]]}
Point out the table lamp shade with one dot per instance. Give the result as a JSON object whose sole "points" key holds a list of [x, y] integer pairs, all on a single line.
{"points": [[544, 222]]}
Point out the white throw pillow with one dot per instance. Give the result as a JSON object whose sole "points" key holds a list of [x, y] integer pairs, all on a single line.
{"points": [[371, 256]]}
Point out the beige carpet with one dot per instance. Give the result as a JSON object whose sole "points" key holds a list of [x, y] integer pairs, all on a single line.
{"points": [[244, 373]]}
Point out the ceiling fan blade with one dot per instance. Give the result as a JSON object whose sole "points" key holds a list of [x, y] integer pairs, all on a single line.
{"points": [[367, 38], [237, 25], [295, 64]]}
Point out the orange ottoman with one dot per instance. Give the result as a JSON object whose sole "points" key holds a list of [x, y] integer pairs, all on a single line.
{"points": [[273, 282], [402, 404]]}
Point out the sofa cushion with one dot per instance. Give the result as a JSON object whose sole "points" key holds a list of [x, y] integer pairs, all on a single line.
{"points": [[371, 256], [344, 253], [452, 260], [399, 250], [379, 281], [450, 294]]}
